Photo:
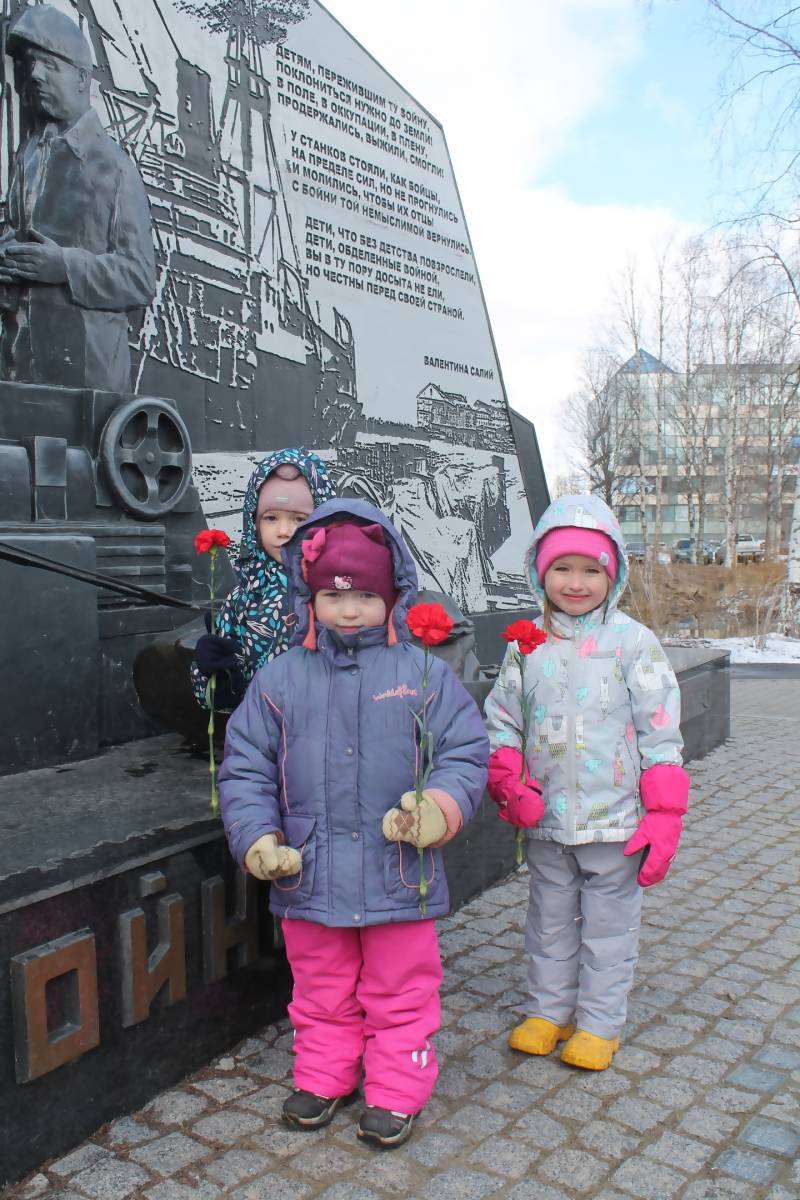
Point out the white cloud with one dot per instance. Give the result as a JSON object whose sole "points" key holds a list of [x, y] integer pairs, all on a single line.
{"points": [[510, 81]]}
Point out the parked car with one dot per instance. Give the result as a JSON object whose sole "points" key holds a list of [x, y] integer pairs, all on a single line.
{"points": [[637, 552], [682, 551], [747, 547]]}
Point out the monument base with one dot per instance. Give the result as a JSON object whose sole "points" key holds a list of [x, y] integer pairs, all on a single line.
{"points": [[132, 950]]}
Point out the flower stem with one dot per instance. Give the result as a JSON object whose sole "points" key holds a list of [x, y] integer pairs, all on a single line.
{"points": [[212, 687], [212, 762]]}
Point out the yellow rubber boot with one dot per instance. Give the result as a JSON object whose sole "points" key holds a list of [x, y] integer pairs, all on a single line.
{"points": [[537, 1036], [589, 1051]]}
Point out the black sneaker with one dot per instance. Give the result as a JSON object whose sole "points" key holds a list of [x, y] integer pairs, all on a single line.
{"points": [[304, 1110], [385, 1129]]}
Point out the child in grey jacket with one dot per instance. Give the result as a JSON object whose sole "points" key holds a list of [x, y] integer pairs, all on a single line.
{"points": [[605, 743]]}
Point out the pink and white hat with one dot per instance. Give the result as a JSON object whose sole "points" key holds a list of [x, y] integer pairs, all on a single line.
{"points": [[285, 490], [573, 539]]}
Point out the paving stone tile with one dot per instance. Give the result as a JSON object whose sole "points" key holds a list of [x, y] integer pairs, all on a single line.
{"points": [[228, 1126], [84, 1156], [323, 1161], [634, 1060], [234, 1166], [396, 1174], [170, 1189], [455, 1083], [732, 1099], [709, 1124], [669, 1092], [285, 1143], [170, 1154], [512, 1098], [176, 1108], [267, 1101], [779, 1056], [507, 1158], [346, 1191], [273, 1187], [603, 1083], [569, 1102], [575, 1169], [771, 1136], [747, 1165], [36, 1186], [432, 1148], [223, 1090], [128, 1132], [532, 1189], [540, 1131], [458, 1183], [608, 1139], [637, 1114], [649, 1180], [683, 1153], [110, 1179], [271, 1064], [758, 1079], [692, 1066], [476, 1119]]}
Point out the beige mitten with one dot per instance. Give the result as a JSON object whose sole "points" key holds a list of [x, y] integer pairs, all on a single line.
{"points": [[420, 824], [267, 860]]}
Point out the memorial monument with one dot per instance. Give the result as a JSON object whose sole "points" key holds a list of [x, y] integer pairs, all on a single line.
{"points": [[225, 229]]}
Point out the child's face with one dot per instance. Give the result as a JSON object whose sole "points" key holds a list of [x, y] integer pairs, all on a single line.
{"points": [[576, 584], [274, 527], [349, 611]]}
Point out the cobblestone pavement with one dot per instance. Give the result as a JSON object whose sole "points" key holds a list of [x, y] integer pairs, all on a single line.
{"points": [[702, 1101]]}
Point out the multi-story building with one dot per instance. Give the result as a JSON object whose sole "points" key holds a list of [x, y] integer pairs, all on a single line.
{"points": [[719, 440]]}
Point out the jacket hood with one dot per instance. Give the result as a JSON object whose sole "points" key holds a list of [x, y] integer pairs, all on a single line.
{"points": [[405, 573], [316, 475], [587, 512]]}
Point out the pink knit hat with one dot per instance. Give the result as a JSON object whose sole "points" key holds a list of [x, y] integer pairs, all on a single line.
{"points": [[286, 489], [350, 557], [574, 539]]}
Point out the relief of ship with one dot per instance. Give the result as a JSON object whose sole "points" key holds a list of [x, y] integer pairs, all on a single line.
{"points": [[233, 335]]}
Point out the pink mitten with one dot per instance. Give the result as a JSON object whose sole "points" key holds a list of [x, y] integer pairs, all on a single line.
{"points": [[665, 795], [518, 803]]}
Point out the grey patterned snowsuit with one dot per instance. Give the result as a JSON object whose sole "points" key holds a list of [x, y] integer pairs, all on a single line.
{"points": [[606, 707]]}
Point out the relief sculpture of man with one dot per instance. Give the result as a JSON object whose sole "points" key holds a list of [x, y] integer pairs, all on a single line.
{"points": [[76, 252]]}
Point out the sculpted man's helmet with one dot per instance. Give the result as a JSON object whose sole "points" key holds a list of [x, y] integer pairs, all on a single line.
{"points": [[51, 30]]}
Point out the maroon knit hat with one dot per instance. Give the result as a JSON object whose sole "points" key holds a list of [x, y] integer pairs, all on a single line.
{"points": [[350, 557]]}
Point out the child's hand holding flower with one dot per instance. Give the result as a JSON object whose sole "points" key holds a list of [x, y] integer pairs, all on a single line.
{"points": [[420, 824]]}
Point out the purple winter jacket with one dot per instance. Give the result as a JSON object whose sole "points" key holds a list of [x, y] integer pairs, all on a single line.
{"points": [[323, 745]]}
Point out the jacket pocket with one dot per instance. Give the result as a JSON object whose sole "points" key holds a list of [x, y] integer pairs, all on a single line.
{"points": [[299, 834], [401, 872]]}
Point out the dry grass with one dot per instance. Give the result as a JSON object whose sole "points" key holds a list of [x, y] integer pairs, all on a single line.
{"points": [[706, 601]]}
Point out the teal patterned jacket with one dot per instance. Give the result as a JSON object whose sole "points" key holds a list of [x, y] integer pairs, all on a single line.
{"points": [[605, 701], [256, 613]]}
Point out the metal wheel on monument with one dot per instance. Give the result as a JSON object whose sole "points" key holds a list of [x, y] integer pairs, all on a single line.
{"points": [[147, 456]]}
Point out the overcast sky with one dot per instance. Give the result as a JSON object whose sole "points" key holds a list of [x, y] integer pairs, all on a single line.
{"points": [[582, 133]]}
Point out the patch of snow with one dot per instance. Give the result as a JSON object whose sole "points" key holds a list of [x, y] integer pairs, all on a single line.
{"points": [[775, 648]]}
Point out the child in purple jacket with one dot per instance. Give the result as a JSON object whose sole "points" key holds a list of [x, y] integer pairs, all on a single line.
{"points": [[317, 760]]}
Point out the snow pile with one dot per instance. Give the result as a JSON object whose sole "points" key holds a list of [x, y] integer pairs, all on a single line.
{"points": [[771, 648]]}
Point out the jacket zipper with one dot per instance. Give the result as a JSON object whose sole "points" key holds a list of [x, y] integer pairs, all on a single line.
{"points": [[572, 780]]}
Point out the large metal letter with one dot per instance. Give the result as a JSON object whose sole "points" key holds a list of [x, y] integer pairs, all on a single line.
{"points": [[221, 934], [143, 977], [38, 1048]]}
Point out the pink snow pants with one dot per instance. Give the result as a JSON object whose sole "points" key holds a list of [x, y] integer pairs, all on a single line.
{"points": [[365, 998]]}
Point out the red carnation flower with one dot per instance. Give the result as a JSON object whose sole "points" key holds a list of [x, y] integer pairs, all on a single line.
{"points": [[430, 623], [526, 634], [207, 538]]}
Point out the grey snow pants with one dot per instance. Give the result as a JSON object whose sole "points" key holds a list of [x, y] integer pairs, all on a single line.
{"points": [[582, 935]]}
